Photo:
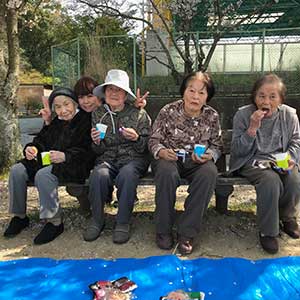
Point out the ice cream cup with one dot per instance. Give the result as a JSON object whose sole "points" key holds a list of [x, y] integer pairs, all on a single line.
{"points": [[282, 160], [102, 128], [46, 158], [199, 149]]}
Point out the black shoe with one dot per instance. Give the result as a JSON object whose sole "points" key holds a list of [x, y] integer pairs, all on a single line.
{"points": [[291, 228], [185, 245], [48, 233], [269, 243], [164, 241], [16, 225]]}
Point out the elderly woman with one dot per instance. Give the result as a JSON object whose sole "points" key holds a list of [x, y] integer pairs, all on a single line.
{"points": [[260, 131], [121, 154], [178, 128], [67, 140]]}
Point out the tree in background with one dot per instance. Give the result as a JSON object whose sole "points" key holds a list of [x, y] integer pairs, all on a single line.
{"points": [[107, 47], [218, 17], [43, 24], [9, 69]]}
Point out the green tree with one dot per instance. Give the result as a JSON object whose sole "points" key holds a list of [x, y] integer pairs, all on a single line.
{"points": [[42, 25]]}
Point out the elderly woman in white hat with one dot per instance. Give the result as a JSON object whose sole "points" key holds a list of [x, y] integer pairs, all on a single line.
{"points": [[122, 155]]}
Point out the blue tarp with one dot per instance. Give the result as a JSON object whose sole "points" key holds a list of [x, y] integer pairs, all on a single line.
{"points": [[219, 279]]}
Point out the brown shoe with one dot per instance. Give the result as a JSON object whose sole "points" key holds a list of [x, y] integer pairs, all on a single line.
{"points": [[291, 228], [185, 245], [164, 241], [269, 243]]}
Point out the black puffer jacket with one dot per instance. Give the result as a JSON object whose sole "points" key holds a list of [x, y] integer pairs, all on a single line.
{"points": [[72, 138]]}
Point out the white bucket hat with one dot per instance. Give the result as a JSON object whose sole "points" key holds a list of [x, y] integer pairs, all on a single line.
{"points": [[118, 78]]}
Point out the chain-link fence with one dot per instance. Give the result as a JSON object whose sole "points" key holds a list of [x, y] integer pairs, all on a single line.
{"points": [[66, 63]]}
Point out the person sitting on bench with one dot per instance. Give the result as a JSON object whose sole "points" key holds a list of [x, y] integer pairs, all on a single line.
{"points": [[59, 153], [260, 131], [122, 154], [177, 129]]}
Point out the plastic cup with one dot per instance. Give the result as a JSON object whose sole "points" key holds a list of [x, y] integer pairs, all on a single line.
{"points": [[199, 149], [282, 160], [102, 128], [46, 158]]}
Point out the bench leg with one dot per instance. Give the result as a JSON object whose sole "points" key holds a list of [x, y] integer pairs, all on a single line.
{"points": [[222, 193]]}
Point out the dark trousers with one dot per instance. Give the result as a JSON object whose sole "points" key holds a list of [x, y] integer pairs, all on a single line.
{"points": [[126, 180], [277, 196], [202, 182]]}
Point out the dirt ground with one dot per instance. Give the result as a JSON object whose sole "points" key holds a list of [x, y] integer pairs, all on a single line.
{"points": [[231, 235]]}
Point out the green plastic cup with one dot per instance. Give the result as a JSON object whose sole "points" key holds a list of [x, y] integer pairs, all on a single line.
{"points": [[46, 158], [282, 160]]}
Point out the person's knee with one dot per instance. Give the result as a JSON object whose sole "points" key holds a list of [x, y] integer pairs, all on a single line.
{"points": [[271, 180], [208, 172], [43, 175], [165, 169], [18, 171], [99, 174]]}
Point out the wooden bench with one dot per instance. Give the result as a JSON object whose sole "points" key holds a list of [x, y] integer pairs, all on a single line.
{"points": [[225, 182]]}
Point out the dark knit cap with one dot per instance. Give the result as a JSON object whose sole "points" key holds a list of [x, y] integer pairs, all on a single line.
{"points": [[61, 91]]}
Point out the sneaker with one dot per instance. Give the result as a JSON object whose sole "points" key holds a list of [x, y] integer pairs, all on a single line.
{"points": [[16, 225], [291, 228], [185, 245], [93, 231], [269, 243], [121, 233], [49, 233], [164, 241]]}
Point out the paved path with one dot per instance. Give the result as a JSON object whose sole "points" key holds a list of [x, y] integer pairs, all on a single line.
{"points": [[28, 128]]}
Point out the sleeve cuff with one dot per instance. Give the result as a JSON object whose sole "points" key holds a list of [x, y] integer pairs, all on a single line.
{"points": [[159, 147]]}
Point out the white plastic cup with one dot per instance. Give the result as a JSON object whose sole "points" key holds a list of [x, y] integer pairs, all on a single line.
{"points": [[199, 149], [46, 158], [102, 128]]}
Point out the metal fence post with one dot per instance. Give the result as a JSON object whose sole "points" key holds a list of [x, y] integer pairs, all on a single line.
{"points": [[263, 51], [53, 66], [134, 63], [78, 59]]}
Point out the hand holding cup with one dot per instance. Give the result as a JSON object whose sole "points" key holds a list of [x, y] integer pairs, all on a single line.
{"points": [[101, 128]]}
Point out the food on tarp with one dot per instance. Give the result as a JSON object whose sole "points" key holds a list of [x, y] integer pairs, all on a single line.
{"points": [[119, 289], [182, 295]]}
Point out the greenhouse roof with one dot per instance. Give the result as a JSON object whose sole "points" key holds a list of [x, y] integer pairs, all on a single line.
{"points": [[283, 14]]}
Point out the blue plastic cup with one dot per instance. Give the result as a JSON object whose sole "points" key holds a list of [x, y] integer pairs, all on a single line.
{"points": [[199, 149], [102, 128]]}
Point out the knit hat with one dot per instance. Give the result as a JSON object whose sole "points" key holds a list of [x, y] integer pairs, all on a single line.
{"points": [[61, 91]]}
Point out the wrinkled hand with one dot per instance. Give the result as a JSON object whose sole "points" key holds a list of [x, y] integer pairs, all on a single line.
{"points": [[46, 111], [202, 159], [31, 152], [129, 134], [140, 102], [57, 157], [95, 135], [289, 169], [255, 121], [167, 154]]}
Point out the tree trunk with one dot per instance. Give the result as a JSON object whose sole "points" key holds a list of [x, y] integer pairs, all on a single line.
{"points": [[9, 68]]}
